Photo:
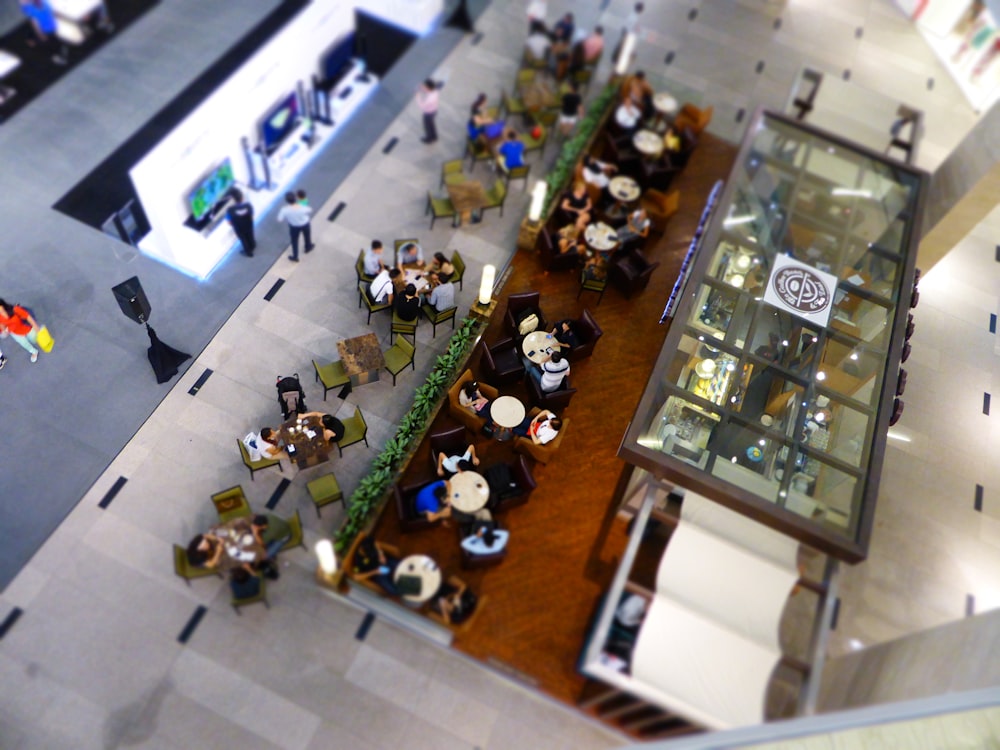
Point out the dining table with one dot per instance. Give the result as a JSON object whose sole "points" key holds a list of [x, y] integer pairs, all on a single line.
{"points": [[362, 358], [624, 190], [601, 237], [302, 438], [507, 412], [418, 577], [537, 346], [468, 197], [665, 107], [469, 491], [649, 143]]}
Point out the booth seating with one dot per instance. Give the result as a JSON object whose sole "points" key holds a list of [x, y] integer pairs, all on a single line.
{"points": [[552, 259], [502, 362], [556, 400], [541, 453], [587, 333], [458, 412], [519, 303], [630, 271]]}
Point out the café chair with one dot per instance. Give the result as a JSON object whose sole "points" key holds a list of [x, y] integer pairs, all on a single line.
{"points": [[373, 307], [325, 490], [477, 150], [517, 304], [406, 513], [462, 414], [660, 207], [693, 118], [230, 504], [516, 173], [549, 255], [541, 453], [296, 538], [398, 357], [525, 75], [253, 466], [520, 489], [436, 316], [501, 362], [510, 105], [592, 285], [630, 271], [348, 564], [333, 375], [185, 570], [587, 333], [555, 401], [657, 175], [355, 430], [459, 263], [404, 327], [260, 596], [452, 171], [452, 442], [496, 196], [359, 269], [396, 244], [442, 208], [583, 77]]}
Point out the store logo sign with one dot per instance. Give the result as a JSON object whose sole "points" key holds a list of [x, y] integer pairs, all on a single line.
{"points": [[801, 290]]}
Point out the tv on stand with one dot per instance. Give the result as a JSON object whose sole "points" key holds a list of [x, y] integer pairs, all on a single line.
{"points": [[210, 194], [279, 122]]}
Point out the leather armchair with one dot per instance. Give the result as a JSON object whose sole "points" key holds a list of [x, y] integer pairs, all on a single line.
{"points": [[524, 482], [452, 442], [660, 207], [541, 453], [552, 259], [690, 117], [587, 333], [630, 271], [460, 413], [554, 400], [517, 303], [501, 362]]}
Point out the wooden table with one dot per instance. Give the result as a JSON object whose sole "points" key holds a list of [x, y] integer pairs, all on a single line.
{"points": [[467, 197], [423, 568], [416, 277], [538, 94], [469, 491], [537, 346], [648, 143], [508, 412], [304, 442], [601, 237], [362, 358]]}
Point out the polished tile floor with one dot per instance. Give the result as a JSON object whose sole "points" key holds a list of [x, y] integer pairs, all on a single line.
{"points": [[95, 661]]}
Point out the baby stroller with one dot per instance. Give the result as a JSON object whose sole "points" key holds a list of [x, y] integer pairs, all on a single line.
{"points": [[291, 397]]}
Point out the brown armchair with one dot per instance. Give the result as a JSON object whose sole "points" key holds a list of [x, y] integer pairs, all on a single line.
{"points": [[552, 259], [660, 207], [587, 333], [541, 453], [501, 362], [452, 442], [553, 400], [462, 414], [518, 303], [630, 271], [693, 118], [409, 519]]}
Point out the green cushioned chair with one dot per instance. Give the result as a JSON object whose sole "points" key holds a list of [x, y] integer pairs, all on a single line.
{"points": [[404, 327], [592, 285], [399, 356], [442, 208], [355, 430], [459, 263], [497, 196], [333, 375], [325, 490], [364, 299], [517, 173], [253, 466], [512, 105], [451, 171], [476, 150], [359, 268], [297, 539], [260, 596], [231, 503], [187, 571], [435, 316]]}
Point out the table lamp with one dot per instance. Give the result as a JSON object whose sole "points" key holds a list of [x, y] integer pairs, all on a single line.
{"points": [[538, 194], [628, 48], [327, 559], [486, 284]]}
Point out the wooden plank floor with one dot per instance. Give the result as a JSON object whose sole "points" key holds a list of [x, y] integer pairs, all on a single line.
{"points": [[537, 604]]}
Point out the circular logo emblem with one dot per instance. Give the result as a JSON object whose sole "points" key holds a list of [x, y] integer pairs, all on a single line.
{"points": [[801, 289]]}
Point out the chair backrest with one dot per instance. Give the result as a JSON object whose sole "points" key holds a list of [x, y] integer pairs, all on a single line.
{"points": [[231, 503], [360, 418], [500, 189], [404, 345], [359, 266], [451, 166], [523, 301], [489, 364], [451, 439], [589, 326], [459, 263]]}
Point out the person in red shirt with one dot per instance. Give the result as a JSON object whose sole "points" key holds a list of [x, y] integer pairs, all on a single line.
{"points": [[23, 328]]}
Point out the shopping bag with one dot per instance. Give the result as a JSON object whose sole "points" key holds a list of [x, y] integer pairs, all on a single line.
{"points": [[45, 340]]}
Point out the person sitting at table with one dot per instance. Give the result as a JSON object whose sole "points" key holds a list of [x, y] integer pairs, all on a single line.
{"points": [[671, 141], [382, 289], [569, 240], [628, 115], [473, 400], [550, 373], [243, 584], [271, 533], [373, 259], [240, 547], [440, 265], [597, 172], [485, 540], [268, 444], [432, 501], [576, 205], [205, 551], [564, 335], [481, 125], [333, 428], [595, 268], [636, 89], [373, 563], [542, 428], [454, 603], [563, 28], [636, 226], [510, 155], [442, 297], [537, 44], [455, 464], [407, 304], [411, 255]]}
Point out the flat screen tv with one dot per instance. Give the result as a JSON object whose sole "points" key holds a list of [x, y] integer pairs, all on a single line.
{"points": [[337, 60], [212, 188], [279, 122]]}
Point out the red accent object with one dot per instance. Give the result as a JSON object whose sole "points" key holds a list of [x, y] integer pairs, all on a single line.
{"points": [[536, 131]]}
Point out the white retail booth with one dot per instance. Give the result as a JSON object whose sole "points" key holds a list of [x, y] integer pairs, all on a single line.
{"points": [[261, 117]]}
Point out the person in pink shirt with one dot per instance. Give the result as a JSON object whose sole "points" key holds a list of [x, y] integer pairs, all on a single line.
{"points": [[593, 45], [427, 100]]}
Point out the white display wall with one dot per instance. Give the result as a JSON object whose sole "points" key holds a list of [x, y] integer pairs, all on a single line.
{"points": [[212, 132]]}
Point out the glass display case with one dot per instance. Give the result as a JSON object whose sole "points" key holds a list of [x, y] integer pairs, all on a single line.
{"points": [[767, 407]]}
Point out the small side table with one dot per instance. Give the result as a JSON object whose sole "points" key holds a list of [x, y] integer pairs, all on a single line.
{"points": [[508, 412], [423, 568], [469, 491]]}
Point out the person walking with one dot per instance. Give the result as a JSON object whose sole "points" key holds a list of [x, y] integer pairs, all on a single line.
{"points": [[428, 100], [43, 23], [21, 326], [297, 217], [240, 217]]}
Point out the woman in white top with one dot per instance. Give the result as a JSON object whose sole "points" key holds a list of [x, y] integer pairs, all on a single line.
{"points": [[455, 464], [628, 115], [486, 541]]}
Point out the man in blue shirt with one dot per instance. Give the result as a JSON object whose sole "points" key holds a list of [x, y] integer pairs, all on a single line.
{"points": [[432, 501], [512, 151], [43, 21], [442, 297]]}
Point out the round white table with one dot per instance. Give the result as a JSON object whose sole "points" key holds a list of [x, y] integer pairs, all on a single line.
{"points": [[624, 188], [537, 346], [665, 104], [469, 491], [424, 568], [601, 237], [648, 143], [507, 412]]}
